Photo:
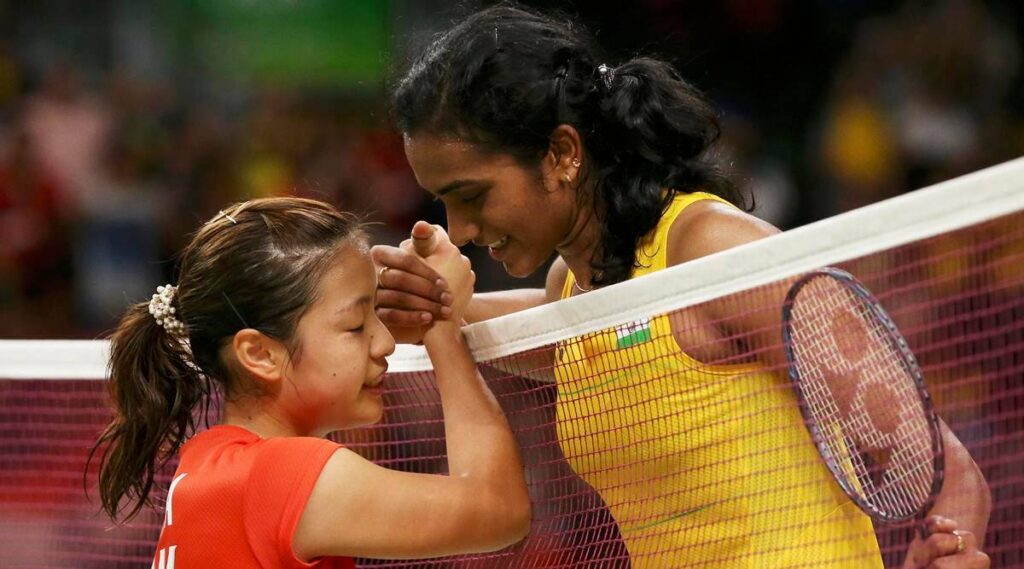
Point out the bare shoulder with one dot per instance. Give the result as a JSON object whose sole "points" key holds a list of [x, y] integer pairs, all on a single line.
{"points": [[709, 226], [557, 274]]}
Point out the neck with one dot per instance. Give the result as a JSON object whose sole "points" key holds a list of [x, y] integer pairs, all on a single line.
{"points": [[579, 247], [250, 414]]}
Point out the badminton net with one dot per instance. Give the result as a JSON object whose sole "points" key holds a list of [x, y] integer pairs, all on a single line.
{"points": [[656, 419]]}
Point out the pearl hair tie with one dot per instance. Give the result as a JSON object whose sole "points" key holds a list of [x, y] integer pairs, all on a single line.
{"points": [[161, 309]]}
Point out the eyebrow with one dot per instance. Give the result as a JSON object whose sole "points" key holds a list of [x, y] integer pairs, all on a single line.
{"points": [[456, 185], [355, 304]]}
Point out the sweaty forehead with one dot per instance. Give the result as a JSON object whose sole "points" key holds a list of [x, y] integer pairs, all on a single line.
{"points": [[436, 160]]}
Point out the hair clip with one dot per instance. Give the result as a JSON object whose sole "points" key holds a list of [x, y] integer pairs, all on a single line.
{"points": [[607, 75], [224, 214]]}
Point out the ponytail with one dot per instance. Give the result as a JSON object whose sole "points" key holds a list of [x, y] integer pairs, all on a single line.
{"points": [[650, 141], [155, 392]]}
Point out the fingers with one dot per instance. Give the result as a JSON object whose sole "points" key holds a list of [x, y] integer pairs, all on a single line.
{"points": [[940, 545], [411, 293], [969, 540], [938, 524], [946, 547], [398, 300], [412, 290], [971, 559], [396, 258], [395, 319], [933, 548], [399, 289], [425, 238]]}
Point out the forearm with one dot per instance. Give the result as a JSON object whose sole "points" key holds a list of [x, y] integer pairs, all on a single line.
{"points": [[487, 305], [479, 440], [965, 495]]}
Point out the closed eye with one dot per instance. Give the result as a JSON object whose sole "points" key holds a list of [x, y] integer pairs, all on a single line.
{"points": [[473, 198]]}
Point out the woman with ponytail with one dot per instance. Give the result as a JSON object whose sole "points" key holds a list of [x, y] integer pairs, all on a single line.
{"points": [[539, 144], [275, 309]]}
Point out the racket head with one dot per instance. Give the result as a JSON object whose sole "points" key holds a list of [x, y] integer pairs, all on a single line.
{"points": [[866, 337]]}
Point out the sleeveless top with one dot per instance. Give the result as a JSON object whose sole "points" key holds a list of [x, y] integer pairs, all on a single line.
{"points": [[700, 465]]}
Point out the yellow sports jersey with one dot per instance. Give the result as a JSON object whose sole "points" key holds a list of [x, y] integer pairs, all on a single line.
{"points": [[700, 465]]}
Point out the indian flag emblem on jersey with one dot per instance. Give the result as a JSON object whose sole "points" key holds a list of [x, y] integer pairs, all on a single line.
{"points": [[629, 335]]}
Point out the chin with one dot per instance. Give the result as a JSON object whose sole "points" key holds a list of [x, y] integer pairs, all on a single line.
{"points": [[372, 418], [521, 268], [360, 419], [515, 273]]}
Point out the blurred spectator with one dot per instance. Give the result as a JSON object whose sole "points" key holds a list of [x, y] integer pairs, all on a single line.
{"points": [[905, 93], [116, 241], [756, 170], [34, 247], [922, 97], [67, 130]]}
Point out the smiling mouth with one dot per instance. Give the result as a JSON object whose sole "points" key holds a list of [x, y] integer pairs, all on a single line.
{"points": [[498, 244]]}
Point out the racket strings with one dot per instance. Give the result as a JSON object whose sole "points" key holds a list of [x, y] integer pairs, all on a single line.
{"points": [[862, 399]]}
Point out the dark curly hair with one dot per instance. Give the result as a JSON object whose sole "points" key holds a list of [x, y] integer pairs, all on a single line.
{"points": [[505, 77]]}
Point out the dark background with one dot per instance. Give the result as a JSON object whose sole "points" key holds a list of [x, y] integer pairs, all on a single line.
{"points": [[123, 124]]}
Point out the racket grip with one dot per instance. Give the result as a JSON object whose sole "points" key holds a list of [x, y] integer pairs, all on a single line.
{"points": [[922, 528]]}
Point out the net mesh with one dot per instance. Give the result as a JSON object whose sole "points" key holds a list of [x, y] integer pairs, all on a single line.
{"points": [[661, 437]]}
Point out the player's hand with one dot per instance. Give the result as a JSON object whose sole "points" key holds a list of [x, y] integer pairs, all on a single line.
{"points": [[431, 243], [944, 549], [411, 294]]}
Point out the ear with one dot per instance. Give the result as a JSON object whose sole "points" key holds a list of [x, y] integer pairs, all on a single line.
{"points": [[565, 155], [262, 357]]}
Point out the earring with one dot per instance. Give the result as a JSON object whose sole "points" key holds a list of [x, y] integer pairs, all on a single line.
{"points": [[575, 162]]}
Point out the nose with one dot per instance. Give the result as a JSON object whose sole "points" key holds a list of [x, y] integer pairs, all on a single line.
{"points": [[383, 343], [461, 230]]}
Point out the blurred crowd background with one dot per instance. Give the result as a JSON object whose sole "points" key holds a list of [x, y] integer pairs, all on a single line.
{"points": [[124, 124]]}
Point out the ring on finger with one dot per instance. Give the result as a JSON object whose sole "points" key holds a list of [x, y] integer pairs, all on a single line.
{"points": [[960, 545], [380, 273]]}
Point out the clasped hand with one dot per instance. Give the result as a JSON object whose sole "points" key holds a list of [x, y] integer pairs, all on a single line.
{"points": [[946, 547], [423, 280]]}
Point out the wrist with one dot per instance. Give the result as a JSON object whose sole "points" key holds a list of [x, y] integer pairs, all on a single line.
{"points": [[471, 312], [442, 331]]}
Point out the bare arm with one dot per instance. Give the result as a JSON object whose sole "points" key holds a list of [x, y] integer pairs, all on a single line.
{"points": [[965, 504], [487, 305], [536, 364], [360, 509], [708, 227], [965, 501], [965, 495]]}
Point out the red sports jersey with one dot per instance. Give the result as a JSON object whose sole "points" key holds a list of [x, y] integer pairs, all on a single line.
{"points": [[236, 499]]}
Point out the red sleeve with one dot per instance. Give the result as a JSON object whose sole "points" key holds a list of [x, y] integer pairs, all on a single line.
{"points": [[281, 481]]}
